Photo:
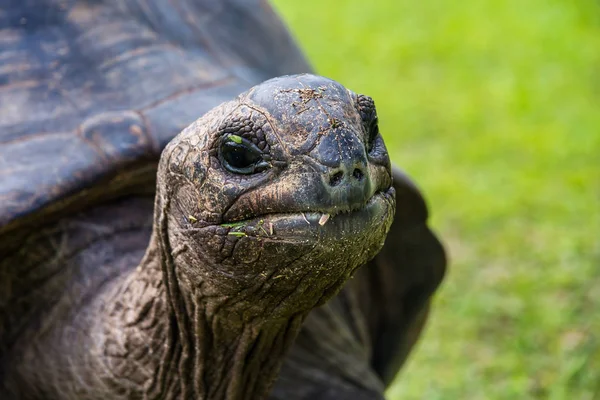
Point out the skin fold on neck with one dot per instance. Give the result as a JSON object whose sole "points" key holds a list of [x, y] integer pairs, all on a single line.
{"points": [[208, 350]]}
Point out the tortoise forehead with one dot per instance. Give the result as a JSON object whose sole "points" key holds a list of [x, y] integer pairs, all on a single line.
{"points": [[306, 108]]}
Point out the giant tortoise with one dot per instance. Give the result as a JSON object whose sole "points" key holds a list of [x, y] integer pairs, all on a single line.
{"points": [[247, 261]]}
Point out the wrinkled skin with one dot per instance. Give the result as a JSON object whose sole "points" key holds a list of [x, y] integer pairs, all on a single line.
{"points": [[240, 253]]}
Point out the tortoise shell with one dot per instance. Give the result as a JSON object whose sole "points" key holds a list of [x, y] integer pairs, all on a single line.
{"points": [[91, 91]]}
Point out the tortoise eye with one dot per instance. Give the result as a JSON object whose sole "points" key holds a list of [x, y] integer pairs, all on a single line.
{"points": [[372, 134], [241, 156]]}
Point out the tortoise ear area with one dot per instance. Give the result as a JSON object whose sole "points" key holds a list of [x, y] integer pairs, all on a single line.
{"points": [[370, 123], [366, 108]]}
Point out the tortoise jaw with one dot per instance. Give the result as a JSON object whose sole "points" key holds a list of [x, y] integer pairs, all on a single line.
{"points": [[302, 225]]}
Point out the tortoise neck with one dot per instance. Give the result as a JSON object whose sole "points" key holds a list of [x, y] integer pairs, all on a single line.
{"points": [[213, 351]]}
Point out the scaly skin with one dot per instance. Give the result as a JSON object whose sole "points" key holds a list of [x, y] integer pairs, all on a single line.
{"points": [[235, 261]]}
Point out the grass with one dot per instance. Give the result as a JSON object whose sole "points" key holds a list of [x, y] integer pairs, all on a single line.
{"points": [[493, 106]]}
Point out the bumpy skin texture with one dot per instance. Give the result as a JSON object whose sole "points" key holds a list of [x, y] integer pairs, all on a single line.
{"points": [[110, 288]]}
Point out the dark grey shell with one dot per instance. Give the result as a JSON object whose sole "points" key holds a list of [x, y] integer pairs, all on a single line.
{"points": [[91, 91]]}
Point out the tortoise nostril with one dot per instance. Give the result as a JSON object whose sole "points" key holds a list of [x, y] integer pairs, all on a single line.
{"points": [[358, 174], [336, 178]]}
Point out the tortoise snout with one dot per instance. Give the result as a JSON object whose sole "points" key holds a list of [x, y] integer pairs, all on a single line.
{"points": [[345, 174], [343, 177], [348, 185]]}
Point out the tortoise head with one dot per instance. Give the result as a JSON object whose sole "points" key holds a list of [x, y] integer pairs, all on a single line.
{"points": [[275, 198]]}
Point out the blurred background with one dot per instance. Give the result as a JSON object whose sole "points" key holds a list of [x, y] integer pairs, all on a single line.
{"points": [[493, 107]]}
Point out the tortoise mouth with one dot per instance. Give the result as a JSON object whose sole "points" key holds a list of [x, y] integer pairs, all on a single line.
{"points": [[305, 224]]}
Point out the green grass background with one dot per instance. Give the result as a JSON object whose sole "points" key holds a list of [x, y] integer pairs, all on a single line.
{"points": [[493, 107]]}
